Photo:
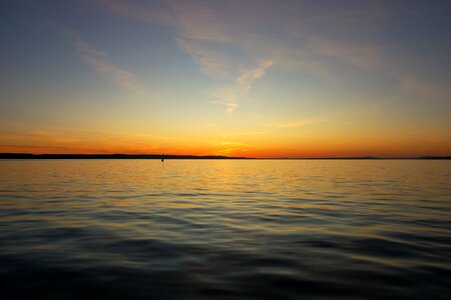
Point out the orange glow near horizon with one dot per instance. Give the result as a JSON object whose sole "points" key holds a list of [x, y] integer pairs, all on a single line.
{"points": [[259, 147], [211, 78]]}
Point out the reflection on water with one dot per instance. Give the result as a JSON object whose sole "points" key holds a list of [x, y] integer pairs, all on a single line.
{"points": [[222, 229]]}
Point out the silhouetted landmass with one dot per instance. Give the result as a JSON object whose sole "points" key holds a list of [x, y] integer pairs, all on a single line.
{"points": [[352, 157], [108, 156], [370, 157], [434, 157], [159, 156]]}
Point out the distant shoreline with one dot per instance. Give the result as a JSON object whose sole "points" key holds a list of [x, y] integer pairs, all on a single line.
{"points": [[159, 156]]}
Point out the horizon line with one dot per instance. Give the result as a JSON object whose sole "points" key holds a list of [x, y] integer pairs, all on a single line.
{"points": [[12, 155]]}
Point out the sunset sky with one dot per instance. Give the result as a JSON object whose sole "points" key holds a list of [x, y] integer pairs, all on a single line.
{"points": [[238, 78]]}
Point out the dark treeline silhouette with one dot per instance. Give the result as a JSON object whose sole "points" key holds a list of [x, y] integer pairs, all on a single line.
{"points": [[166, 156]]}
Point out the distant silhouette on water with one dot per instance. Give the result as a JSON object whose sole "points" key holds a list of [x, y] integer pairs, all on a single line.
{"points": [[162, 158]]}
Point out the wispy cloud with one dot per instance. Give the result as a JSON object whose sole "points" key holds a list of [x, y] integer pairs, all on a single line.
{"points": [[302, 34], [248, 76], [191, 19], [230, 95], [364, 56], [411, 84], [198, 26], [426, 91], [227, 147], [222, 47], [42, 136], [199, 21], [97, 59], [227, 96], [212, 63], [155, 12], [74, 140]]}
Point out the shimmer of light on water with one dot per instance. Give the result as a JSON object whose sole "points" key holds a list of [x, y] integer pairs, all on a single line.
{"points": [[225, 229]]}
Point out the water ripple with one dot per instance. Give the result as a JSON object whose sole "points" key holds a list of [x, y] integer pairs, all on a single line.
{"points": [[140, 229]]}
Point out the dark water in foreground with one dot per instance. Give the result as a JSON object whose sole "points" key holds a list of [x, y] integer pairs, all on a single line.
{"points": [[199, 229]]}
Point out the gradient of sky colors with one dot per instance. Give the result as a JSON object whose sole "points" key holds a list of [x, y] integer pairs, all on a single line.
{"points": [[243, 78]]}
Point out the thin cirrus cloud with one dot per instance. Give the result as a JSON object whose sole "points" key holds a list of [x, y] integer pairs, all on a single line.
{"points": [[196, 26], [230, 95], [432, 92], [364, 56], [191, 20], [298, 44], [248, 76], [211, 63], [38, 136], [303, 39], [346, 33], [97, 59]]}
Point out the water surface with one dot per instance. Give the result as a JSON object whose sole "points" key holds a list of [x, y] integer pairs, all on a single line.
{"points": [[225, 229]]}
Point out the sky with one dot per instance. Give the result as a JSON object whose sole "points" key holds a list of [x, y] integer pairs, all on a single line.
{"points": [[237, 78]]}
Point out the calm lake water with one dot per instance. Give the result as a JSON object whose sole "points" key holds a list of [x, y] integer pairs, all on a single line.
{"points": [[225, 229]]}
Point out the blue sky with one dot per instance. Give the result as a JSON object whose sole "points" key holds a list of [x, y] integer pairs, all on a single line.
{"points": [[256, 78]]}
